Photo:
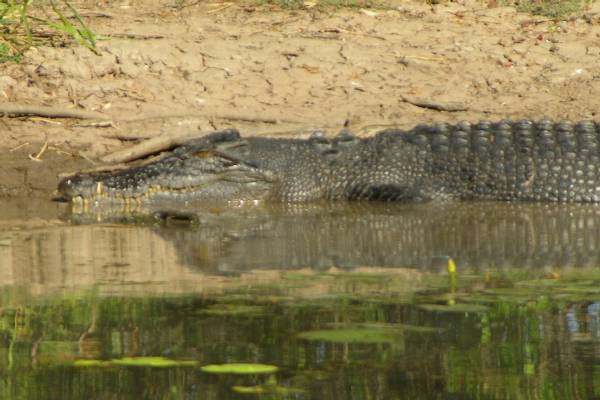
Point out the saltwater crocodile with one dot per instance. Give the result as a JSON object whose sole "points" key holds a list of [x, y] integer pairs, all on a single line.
{"points": [[507, 160]]}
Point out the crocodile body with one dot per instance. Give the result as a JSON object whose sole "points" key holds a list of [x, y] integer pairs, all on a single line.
{"points": [[507, 160]]}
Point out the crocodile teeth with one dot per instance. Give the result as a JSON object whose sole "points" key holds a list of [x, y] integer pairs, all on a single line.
{"points": [[99, 188]]}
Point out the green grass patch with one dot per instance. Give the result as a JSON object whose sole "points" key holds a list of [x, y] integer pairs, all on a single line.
{"points": [[23, 25], [556, 9]]}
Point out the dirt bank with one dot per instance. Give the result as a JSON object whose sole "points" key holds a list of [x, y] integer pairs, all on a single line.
{"points": [[167, 70]]}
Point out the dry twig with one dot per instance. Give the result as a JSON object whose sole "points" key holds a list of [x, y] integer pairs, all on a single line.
{"points": [[229, 116], [216, 10], [40, 153], [132, 36], [23, 110], [146, 148], [18, 147], [448, 107]]}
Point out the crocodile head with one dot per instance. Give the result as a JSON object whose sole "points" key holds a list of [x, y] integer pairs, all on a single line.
{"points": [[203, 170]]}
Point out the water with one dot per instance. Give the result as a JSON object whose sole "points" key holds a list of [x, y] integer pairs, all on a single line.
{"points": [[345, 301]]}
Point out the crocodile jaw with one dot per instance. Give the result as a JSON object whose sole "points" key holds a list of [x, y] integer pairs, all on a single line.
{"points": [[144, 185]]}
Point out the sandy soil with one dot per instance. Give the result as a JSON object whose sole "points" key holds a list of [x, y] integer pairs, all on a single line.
{"points": [[167, 70]]}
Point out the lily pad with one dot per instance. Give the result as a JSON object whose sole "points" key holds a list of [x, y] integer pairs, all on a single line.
{"points": [[240, 369], [159, 362], [358, 335], [249, 389], [91, 363]]}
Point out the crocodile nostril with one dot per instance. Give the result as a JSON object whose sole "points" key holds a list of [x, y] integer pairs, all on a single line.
{"points": [[65, 186]]}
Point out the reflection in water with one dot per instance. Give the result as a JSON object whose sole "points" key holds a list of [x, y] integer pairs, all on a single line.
{"points": [[362, 342], [256, 285], [476, 235], [348, 235]]}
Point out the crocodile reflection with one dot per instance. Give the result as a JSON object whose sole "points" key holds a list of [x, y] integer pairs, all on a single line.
{"points": [[476, 235]]}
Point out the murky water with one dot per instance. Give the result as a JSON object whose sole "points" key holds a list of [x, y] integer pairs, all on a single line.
{"points": [[342, 301]]}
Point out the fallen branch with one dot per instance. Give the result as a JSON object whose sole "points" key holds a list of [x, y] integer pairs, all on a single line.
{"points": [[23, 110], [146, 148], [449, 107]]}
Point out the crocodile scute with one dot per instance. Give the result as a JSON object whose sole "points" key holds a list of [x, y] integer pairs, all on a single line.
{"points": [[508, 160]]}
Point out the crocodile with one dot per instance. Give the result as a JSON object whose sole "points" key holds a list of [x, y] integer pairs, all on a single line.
{"points": [[525, 160]]}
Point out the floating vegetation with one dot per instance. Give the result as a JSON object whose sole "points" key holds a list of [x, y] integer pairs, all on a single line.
{"points": [[157, 362], [240, 369], [404, 327], [154, 362], [92, 363], [357, 335]]}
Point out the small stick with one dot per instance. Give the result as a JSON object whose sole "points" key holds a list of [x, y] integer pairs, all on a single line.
{"points": [[22, 110], [127, 138], [220, 8], [100, 124], [234, 116], [132, 36], [93, 14], [449, 107], [39, 154], [18, 147]]}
